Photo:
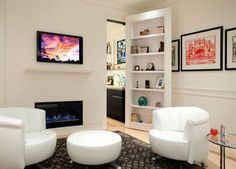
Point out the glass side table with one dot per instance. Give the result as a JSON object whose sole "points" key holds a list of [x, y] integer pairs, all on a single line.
{"points": [[223, 140]]}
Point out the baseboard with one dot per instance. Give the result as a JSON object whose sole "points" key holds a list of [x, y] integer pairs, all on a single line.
{"points": [[63, 132]]}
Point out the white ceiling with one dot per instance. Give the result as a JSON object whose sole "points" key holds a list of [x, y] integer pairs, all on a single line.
{"points": [[133, 5], [140, 4]]}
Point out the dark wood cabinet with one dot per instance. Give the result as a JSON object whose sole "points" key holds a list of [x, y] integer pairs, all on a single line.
{"points": [[116, 104]]}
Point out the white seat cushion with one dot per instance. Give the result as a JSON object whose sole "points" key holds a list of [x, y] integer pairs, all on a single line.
{"points": [[39, 146], [94, 147], [167, 143]]}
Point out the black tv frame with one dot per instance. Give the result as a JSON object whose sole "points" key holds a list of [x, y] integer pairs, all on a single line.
{"points": [[39, 59]]}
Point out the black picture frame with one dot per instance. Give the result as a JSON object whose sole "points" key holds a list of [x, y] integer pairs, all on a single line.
{"points": [[230, 49], [175, 53], [199, 43], [121, 55]]}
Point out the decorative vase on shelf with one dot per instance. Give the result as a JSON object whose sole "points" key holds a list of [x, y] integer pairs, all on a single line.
{"points": [[142, 101]]}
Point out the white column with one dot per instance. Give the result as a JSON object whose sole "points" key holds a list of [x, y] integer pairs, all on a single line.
{"points": [[2, 52]]}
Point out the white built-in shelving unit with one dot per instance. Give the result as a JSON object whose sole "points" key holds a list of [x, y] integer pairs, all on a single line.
{"points": [[162, 62]]}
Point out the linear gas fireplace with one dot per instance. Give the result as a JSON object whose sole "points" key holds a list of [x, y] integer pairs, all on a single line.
{"points": [[60, 114]]}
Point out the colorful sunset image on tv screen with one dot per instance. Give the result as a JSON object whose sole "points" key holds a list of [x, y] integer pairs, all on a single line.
{"points": [[59, 48]]}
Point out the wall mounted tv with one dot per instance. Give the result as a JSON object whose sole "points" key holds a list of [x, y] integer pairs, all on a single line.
{"points": [[59, 48]]}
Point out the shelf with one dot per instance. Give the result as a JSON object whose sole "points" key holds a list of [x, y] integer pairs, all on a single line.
{"points": [[143, 124], [148, 36], [59, 70], [144, 107], [136, 69], [114, 69], [148, 54], [140, 126], [150, 90], [158, 71]]}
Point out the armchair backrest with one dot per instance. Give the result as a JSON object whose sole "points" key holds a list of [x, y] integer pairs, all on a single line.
{"points": [[11, 143], [175, 118], [34, 119]]}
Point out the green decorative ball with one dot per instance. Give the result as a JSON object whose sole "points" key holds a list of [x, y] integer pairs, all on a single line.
{"points": [[142, 101]]}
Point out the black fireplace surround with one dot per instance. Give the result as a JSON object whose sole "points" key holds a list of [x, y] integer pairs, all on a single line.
{"points": [[63, 113]]}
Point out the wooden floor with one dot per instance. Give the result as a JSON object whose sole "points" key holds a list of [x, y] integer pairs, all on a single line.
{"points": [[213, 156]]}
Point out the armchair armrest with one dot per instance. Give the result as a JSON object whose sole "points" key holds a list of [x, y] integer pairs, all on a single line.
{"points": [[8, 122], [196, 129], [195, 132], [12, 143]]}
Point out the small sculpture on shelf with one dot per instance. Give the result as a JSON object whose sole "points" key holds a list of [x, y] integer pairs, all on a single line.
{"points": [[144, 32], [137, 68], [134, 117], [150, 66], [161, 49], [158, 104], [160, 29], [109, 66]]}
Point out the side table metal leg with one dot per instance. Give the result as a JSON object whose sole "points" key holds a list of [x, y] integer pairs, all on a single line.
{"points": [[222, 157]]}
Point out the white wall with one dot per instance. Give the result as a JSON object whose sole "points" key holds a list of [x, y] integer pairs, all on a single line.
{"points": [[24, 87], [2, 60], [213, 90]]}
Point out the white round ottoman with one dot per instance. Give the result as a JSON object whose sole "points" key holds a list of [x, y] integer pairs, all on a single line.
{"points": [[94, 147]]}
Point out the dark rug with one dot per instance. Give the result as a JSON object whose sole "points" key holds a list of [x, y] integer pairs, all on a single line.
{"points": [[135, 154]]}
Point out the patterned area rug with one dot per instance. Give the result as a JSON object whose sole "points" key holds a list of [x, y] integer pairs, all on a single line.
{"points": [[135, 154]]}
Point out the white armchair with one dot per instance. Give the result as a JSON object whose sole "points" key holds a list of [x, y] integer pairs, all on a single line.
{"points": [[24, 139], [180, 133]]}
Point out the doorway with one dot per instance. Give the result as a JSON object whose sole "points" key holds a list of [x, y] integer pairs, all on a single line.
{"points": [[116, 59]]}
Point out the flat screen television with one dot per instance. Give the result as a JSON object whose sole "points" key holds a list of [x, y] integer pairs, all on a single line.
{"points": [[59, 48]]}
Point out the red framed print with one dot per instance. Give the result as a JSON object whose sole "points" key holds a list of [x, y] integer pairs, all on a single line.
{"points": [[230, 49], [202, 50]]}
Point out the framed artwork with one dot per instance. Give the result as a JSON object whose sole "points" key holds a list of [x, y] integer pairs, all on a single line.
{"points": [[230, 49], [202, 50], [160, 83], [175, 55], [121, 51], [109, 49]]}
